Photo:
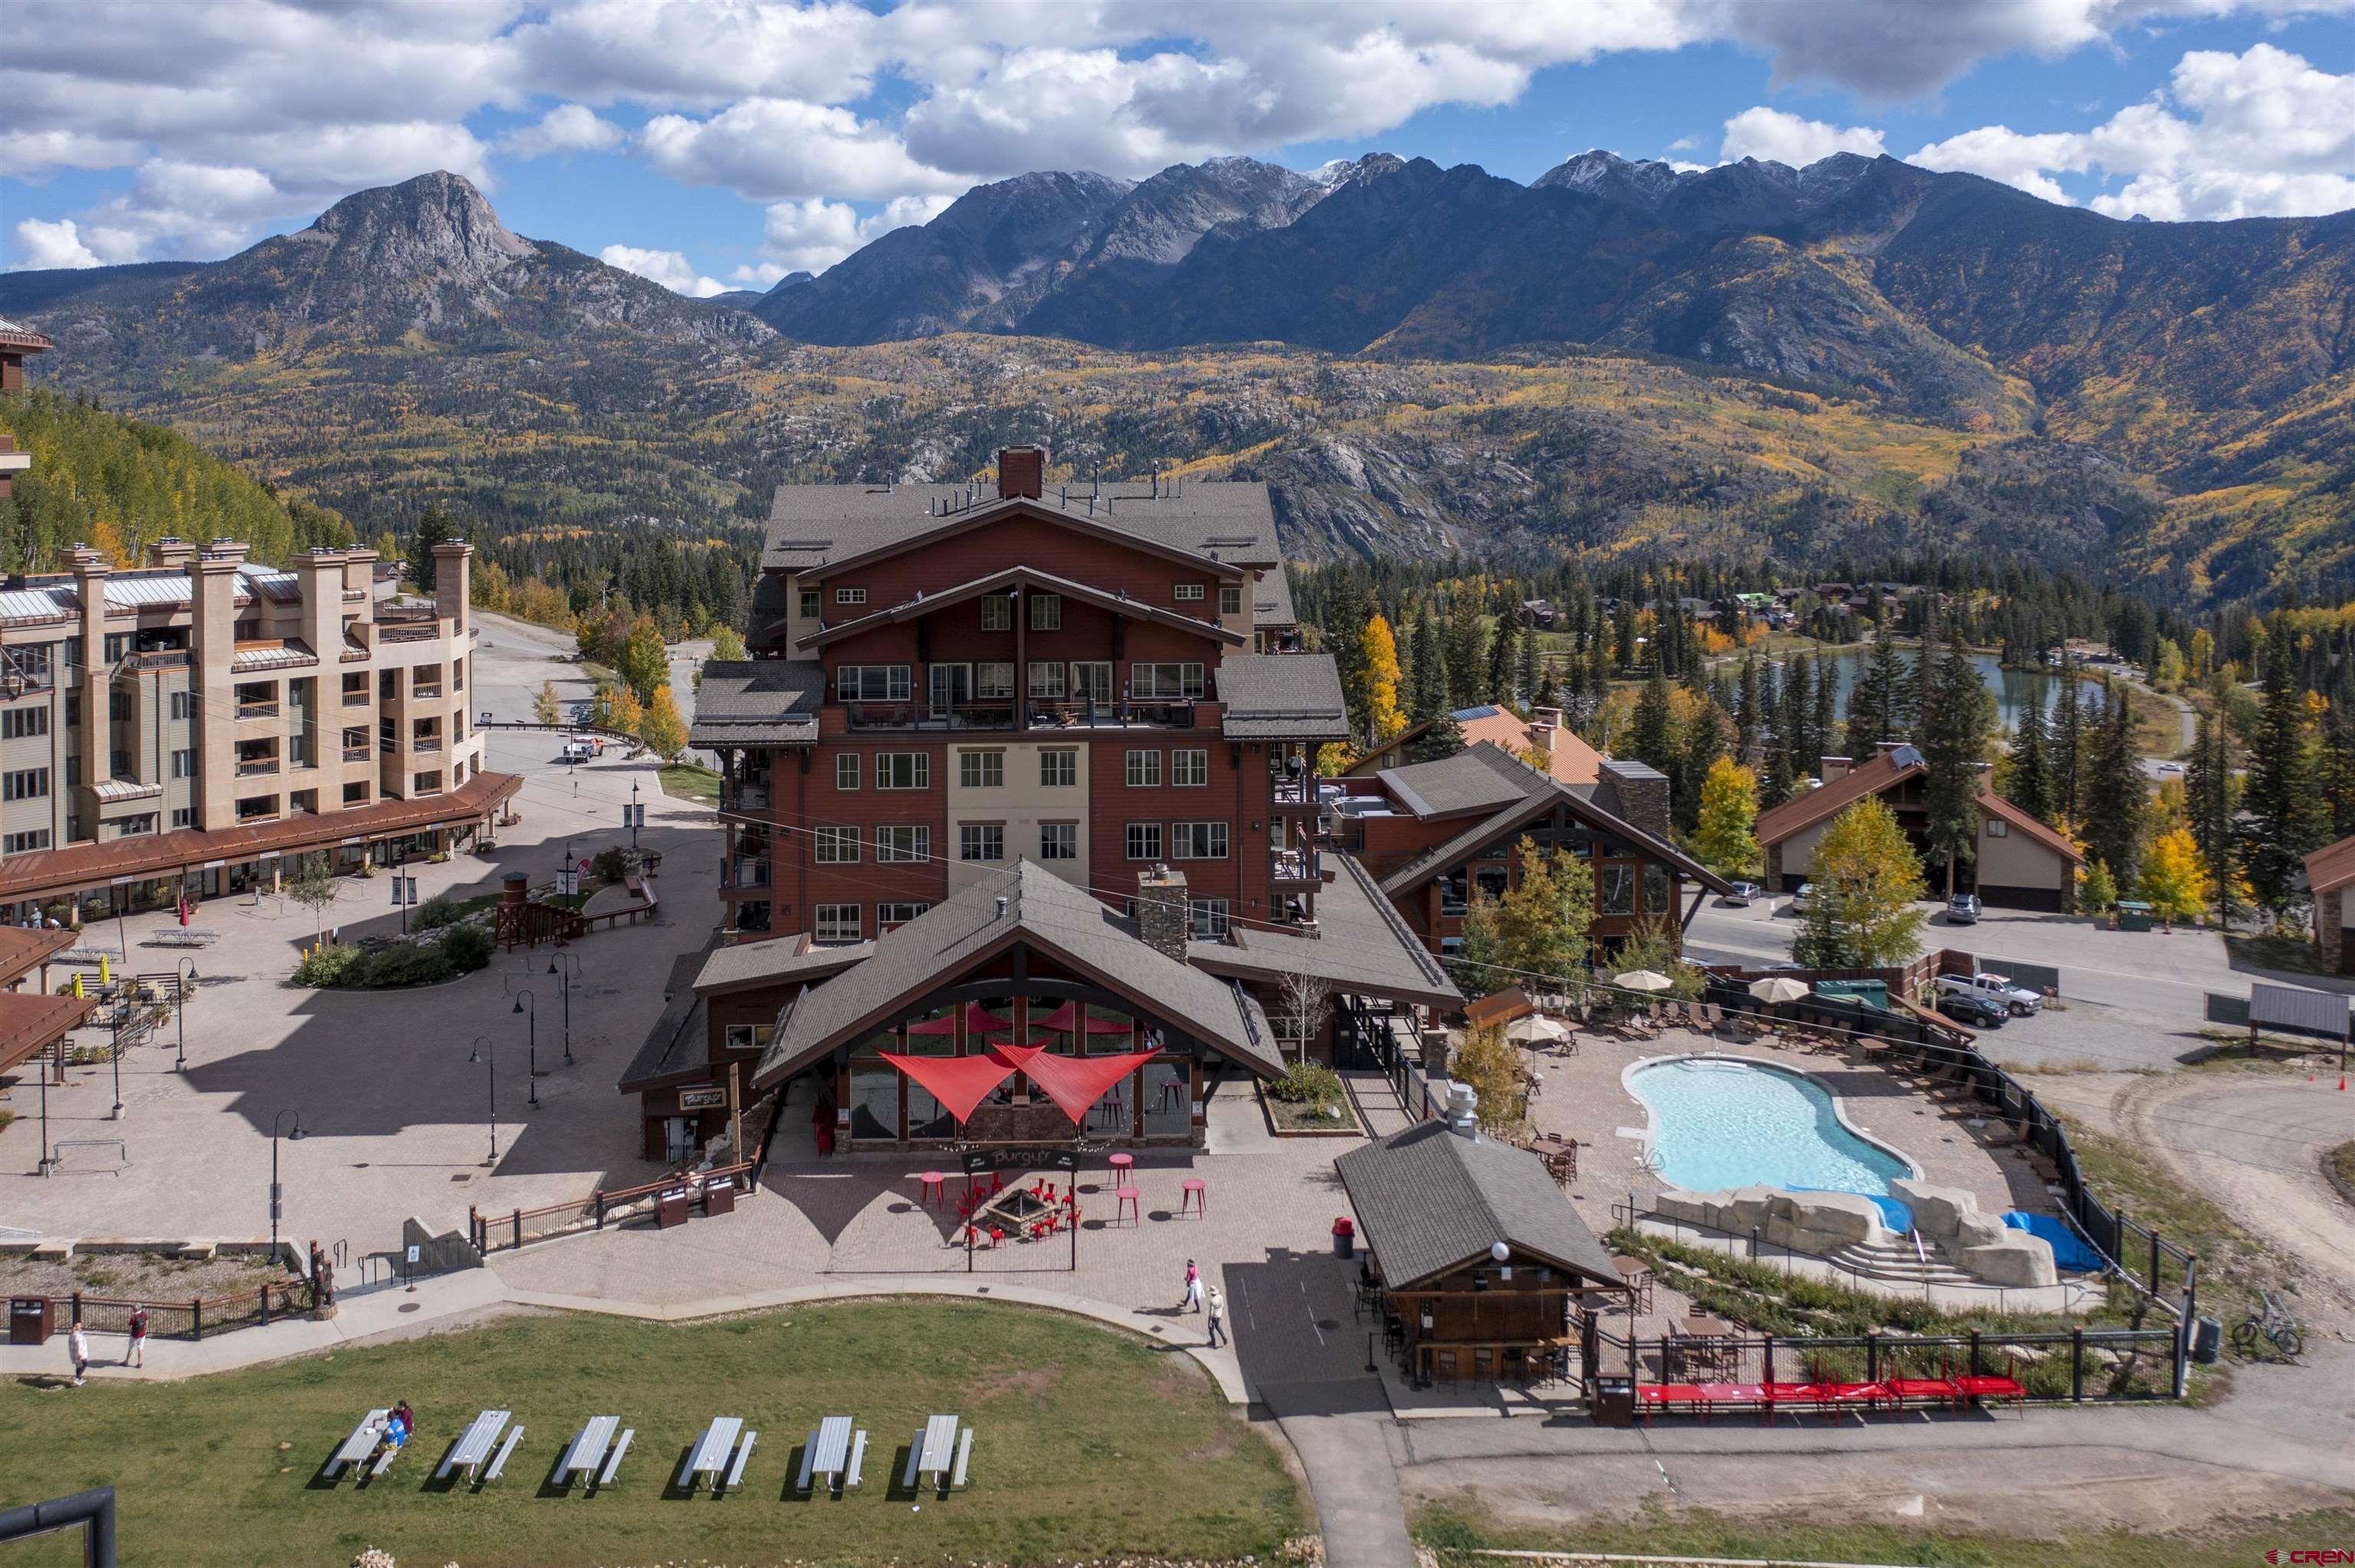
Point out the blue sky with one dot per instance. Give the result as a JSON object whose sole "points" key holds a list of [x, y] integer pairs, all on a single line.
{"points": [[714, 143]]}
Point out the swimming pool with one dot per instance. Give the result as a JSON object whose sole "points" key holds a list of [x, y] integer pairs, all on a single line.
{"points": [[1718, 1123]]}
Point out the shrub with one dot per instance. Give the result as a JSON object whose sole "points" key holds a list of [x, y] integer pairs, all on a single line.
{"points": [[1308, 1083], [6, 1117], [466, 949], [611, 864], [405, 963], [439, 910], [325, 966]]}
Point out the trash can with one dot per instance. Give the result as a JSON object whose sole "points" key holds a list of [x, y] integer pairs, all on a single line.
{"points": [[2133, 916], [2207, 1338], [1345, 1238], [670, 1209], [31, 1319], [1614, 1401], [720, 1196]]}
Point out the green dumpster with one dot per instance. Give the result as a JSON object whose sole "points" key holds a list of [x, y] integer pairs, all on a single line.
{"points": [[1872, 992], [2134, 915]]}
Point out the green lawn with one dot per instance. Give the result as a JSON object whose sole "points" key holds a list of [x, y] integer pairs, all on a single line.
{"points": [[1455, 1530], [690, 782], [1088, 1442]]}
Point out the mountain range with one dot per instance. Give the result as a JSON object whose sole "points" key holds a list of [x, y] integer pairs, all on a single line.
{"points": [[2182, 394]]}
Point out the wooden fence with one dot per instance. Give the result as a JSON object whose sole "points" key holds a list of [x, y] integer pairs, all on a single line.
{"points": [[497, 1232], [192, 1317]]}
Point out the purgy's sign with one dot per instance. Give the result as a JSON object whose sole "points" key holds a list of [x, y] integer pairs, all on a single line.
{"points": [[1020, 1156], [702, 1099]]}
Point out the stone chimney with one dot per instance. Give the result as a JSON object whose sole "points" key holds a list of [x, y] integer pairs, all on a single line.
{"points": [[212, 601], [452, 571], [1643, 794], [1161, 911], [1835, 768], [90, 569], [170, 553], [1550, 717], [1021, 471]]}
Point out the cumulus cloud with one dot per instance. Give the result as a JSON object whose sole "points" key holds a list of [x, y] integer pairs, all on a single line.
{"points": [[812, 235], [668, 268], [1774, 136], [773, 148], [46, 244], [2263, 133], [567, 128]]}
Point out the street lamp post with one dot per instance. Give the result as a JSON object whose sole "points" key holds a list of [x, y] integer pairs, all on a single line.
{"points": [[187, 969], [475, 1053], [47, 1162], [277, 1193], [527, 1003], [114, 1056], [564, 987], [633, 818]]}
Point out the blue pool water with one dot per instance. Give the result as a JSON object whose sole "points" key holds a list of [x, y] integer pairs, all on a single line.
{"points": [[1721, 1124]]}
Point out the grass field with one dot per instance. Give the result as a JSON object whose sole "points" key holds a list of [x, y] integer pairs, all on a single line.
{"points": [[1087, 1442], [689, 782]]}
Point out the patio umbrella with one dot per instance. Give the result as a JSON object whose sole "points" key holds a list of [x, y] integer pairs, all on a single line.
{"points": [[1644, 979], [1776, 989], [1537, 1028]]}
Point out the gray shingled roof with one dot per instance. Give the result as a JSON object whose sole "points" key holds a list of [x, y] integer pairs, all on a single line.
{"points": [[1118, 603], [1362, 946], [675, 1045], [757, 702], [1429, 1201], [777, 960], [1272, 599], [809, 522], [1283, 696], [1479, 777], [1041, 909]]}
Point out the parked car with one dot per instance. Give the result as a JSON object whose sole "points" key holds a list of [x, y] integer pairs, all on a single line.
{"points": [[1997, 988], [1971, 1010], [1963, 909], [1798, 903], [1743, 892]]}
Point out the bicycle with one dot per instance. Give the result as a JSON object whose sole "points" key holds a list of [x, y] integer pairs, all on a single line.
{"points": [[2275, 1323]]}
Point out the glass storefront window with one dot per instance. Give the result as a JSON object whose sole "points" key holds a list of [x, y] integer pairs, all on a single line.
{"points": [[1615, 889], [927, 1117], [875, 1089], [1167, 1109], [1657, 900]]}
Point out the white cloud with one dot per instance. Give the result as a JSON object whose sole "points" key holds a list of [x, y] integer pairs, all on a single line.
{"points": [[2263, 133], [1774, 136], [46, 244], [668, 268], [769, 149], [567, 128], [1685, 145], [762, 276], [811, 235]]}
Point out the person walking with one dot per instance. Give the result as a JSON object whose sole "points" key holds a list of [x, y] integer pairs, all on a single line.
{"points": [[78, 1347], [135, 1355], [1192, 1300], [1218, 1318]]}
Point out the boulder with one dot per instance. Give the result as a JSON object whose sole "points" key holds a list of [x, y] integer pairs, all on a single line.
{"points": [[2019, 1259], [1823, 1222], [1938, 1211]]}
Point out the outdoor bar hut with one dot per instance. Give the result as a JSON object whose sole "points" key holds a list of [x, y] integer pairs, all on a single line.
{"points": [[1486, 1270]]}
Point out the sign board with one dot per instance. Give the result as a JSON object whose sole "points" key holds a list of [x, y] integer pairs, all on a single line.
{"points": [[702, 1099], [1020, 1156], [414, 1252], [2293, 1007], [214, 865]]}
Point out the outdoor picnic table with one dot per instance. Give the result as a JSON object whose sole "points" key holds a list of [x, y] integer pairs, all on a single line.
{"points": [[938, 1452], [835, 1453], [361, 1443], [183, 937], [474, 1444], [590, 1448], [709, 1455]]}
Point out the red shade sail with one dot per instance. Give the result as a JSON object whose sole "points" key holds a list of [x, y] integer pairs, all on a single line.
{"points": [[979, 1020], [934, 1026], [1077, 1083], [1035, 1043], [1015, 1058], [959, 1083], [1062, 1018]]}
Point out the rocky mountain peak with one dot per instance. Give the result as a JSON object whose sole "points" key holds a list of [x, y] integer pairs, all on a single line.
{"points": [[1643, 181], [436, 224]]}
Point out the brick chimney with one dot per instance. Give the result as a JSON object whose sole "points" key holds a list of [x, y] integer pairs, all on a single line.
{"points": [[1161, 911], [1835, 768], [1021, 471], [1643, 794], [90, 569]]}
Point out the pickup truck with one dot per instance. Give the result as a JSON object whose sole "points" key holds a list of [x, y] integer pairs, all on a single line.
{"points": [[1997, 988]]}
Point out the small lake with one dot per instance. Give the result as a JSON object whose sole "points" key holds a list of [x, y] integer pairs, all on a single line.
{"points": [[2012, 688]]}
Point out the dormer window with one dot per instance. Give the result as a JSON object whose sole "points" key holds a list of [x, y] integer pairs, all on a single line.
{"points": [[850, 596], [1188, 593]]}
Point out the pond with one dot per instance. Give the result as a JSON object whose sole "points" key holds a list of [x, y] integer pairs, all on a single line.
{"points": [[2013, 689], [1719, 1124]]}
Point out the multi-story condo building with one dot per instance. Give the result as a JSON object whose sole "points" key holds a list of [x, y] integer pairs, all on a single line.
{"points": [[181, 729]]}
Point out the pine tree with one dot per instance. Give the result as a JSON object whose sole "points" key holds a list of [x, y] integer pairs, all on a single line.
{"points": [[1347, 617], [1702, 750], [1623, 634], [1796, 723], [1652, 737], [1504, 660], [2116, 795], [1952, 742], [1525, 671], [1427, 679], [434, 528], [1749, 716], [2287, 813], [2208, 788], [2338, 743], [1468, 647], [1823, 725], [1725, 835], [1441, 738], [2030, 785], [1873, 704], [2067, 747]]}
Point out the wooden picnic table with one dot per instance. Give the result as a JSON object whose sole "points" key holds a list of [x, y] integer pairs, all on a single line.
{"points": [[709, 1455], [357, 1447], [474, 1444]]}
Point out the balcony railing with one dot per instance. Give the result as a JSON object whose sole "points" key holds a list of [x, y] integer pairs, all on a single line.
{"points": [[745, 798], [257, 710], [426, 694], [1176, 712], [358, 699], [746, 874], [426, 743], [356, 753], [1293, 789], [406, 633], [257, 766], [1294, 867]]}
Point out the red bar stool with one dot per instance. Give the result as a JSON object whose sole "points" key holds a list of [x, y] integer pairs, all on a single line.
{"points": [[935, 1189], [1196, 1194], [1128, 1195], [1123, 1166]]}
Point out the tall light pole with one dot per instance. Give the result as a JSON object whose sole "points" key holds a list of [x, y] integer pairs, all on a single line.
{"points": [[114, 1055], [475, 1053], [187, 969], [277, 1193], [636, 817], [564, 986], [531, 1062]]}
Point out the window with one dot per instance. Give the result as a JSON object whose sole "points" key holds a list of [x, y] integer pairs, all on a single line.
{"points": [[1166, 680], [73, 776], [812, 604], [1046, 613], [981, 770], [184, 764], [1059, 841], [1092, 678], [135, 827], [981, 841], [905, 844], [997, 612], [1145, 841], [1190, 768], [1046, 681], [1617, 885], [17, 723], [1997, 828], [1144, 769], [903, 771], [1188, 593], [872, 682], [118, 643], [849, 596], [1198, 841], [845, 770], [17, 843], [457, 674], [356, 692], [354, 794], [186, 816], [34, 662], [1210, 924], [838, 922], [25, 784], [994, 679], [1059, 767], [1231, 599], [838, 846], [889, 915], [749, 1036], [117, 704]]}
